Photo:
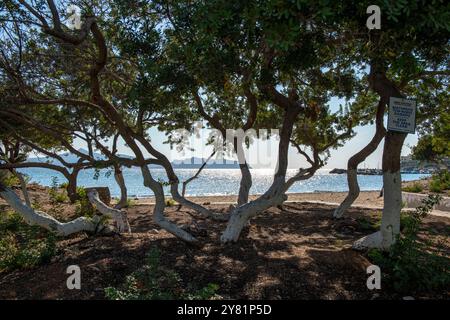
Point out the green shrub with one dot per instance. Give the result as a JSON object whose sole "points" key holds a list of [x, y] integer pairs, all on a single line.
{"points": [[130, 203], [10, 180], [22, 245], [410, 264], [64, 185], [440, 181], [55, 195], [170, 202], [83, 207], [415, 188], [154, 282], [367, 225]]}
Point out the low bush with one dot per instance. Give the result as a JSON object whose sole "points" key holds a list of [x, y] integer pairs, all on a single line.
{"points": [[415, 188], [22, 245], [412, 264], [440, 181], [170, 202], [55, 195], [83, 207]]}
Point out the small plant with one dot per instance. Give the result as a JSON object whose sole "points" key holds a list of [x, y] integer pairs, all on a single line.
{"points": [[22, 245], [440, 182], [83, 208], [410, 264], [11, 180], [170, 202], [130, 203], [55, 195], [367, 225], [154, 282], [64, 185], [416, 187]]}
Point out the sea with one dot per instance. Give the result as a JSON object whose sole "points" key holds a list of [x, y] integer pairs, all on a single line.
{"points": [[210, 182]]}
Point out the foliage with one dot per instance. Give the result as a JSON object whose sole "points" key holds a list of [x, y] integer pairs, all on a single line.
{"points": [[411, 264], [170, 202], [416, 187], [154, 282], [23, 246], [440, 181], [83, 207], [55, 195], [10, 180], [130, 203]]}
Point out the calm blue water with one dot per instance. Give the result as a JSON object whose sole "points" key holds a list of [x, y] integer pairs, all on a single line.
{"points": [[212, 181]]}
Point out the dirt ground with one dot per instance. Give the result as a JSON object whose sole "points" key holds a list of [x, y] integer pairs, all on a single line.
{"points": [[365, 198], [299, 252]]}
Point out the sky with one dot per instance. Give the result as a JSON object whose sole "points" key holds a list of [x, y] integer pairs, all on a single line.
{"points": [[263, 154]]}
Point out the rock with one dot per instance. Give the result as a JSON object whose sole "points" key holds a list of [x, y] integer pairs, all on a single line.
{"points": [[408, 298]]}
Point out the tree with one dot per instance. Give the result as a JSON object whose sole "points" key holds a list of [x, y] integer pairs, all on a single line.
{"points": [[408, 56]]}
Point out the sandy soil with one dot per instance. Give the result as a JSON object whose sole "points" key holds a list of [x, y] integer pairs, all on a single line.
{"points": [[366, 198]]}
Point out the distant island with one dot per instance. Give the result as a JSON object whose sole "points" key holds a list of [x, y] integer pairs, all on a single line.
{"points": [[188, 163]]}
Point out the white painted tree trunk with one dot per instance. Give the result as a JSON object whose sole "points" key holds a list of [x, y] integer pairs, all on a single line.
{"points": [[390, 220], [200, 209], [353, 193], [119, 217], [123, 189], [158, 211], [241, 215], [356, 159], [45, 221], [23, 186]]}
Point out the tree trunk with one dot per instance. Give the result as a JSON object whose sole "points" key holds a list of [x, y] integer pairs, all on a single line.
{"points": [[23, 186], [72, 185], [46, 221], [240, 216], [355, 160], [276, 193], [390, 221], [120, 217], [158, 211], [118, 175], [246, 176], [245, 184]]}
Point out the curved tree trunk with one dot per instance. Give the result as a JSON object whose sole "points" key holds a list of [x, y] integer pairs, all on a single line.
{"points": [[118, 175], [23, 186], [390, 220], [240, 216], [355, 160], [158, 211], [120, 217], [275, 195], [34, 217]]}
